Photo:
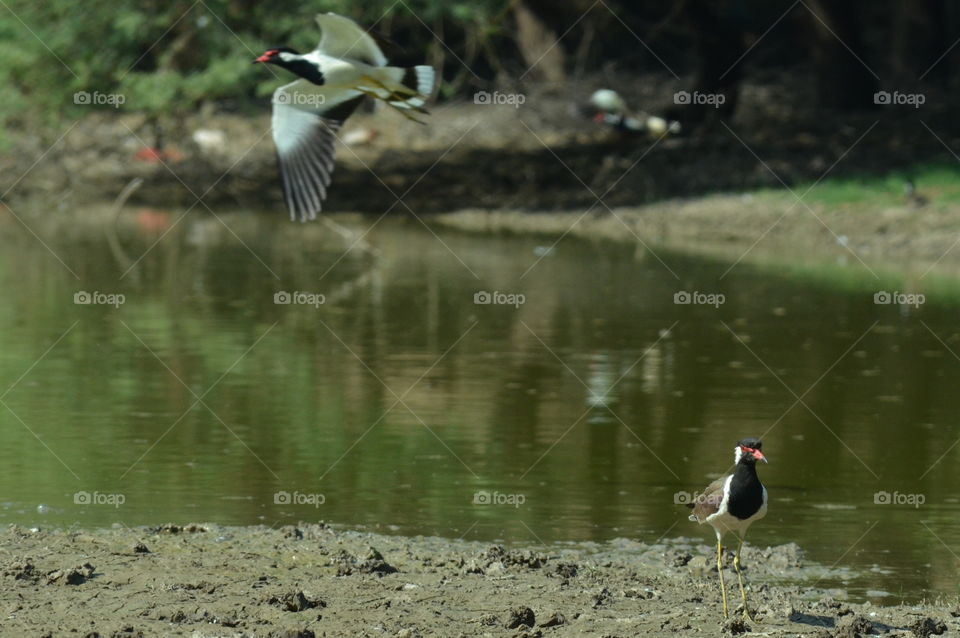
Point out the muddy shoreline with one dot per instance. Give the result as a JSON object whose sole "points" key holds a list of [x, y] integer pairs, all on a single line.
{"points": [[314, 580], [911, 246]]}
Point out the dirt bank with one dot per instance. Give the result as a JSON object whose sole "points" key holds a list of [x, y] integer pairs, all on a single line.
{"points": [[311, 580], [899, 241], [543, 155]]}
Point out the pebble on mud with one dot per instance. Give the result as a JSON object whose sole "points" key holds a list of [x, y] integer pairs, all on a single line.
{"points": [[736, 626], [855, 627], [520, 616], [22, 570], [928, 627], [296, 601], [372, 562], [555, 620], [170, 528], [566, 570], [73, 576], [140, 548]]}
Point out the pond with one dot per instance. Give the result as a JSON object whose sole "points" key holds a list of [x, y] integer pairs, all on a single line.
{"points": [[245, 370]]}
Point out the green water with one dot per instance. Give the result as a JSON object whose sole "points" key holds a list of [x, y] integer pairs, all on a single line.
{"points": [[581, 411]]}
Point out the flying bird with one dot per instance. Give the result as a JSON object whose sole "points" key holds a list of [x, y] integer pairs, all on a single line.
{"points": [[731, 504], [345, 68], [611, 109]]}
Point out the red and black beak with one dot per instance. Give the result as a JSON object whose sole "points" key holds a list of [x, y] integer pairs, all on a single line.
{"points": [[757, 454], [264, 58]]}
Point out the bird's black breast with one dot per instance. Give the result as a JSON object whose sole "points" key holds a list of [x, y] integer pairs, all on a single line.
{"points": [[746, 492], [307, 70]]}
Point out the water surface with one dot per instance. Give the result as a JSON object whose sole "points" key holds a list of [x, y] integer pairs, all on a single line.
{"points": [[400, 404]]}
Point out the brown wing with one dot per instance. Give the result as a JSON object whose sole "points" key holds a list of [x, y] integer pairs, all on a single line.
{"points": [[709, 501]]}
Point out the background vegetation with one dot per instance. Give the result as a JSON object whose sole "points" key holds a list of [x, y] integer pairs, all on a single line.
{"points": [[166, 57]]}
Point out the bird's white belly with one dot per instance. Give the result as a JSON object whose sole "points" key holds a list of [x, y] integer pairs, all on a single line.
{"points": [[723, 521], [338, 72]]}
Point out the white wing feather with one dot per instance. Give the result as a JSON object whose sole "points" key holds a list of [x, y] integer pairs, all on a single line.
{"points": [[343, 38], [306, 119]]}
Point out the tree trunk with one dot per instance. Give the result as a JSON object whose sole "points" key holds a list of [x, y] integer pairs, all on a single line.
{"points": [[844, 81], [539, 46], [919, 39], [717, 29]]}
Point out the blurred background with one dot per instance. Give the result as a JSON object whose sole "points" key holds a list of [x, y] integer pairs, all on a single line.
{"points": [[545, 317]]}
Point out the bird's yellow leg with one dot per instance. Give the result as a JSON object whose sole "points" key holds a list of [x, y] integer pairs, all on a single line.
{"points": [[743, 592], [398, 92], [393, 95], [723, 589], [403, 112]]}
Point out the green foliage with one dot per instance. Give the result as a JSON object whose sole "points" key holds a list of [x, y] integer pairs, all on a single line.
{"points": [[166, 58]]}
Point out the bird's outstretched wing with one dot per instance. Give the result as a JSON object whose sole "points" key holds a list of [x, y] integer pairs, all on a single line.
{"points": [[343, 38], [709, 501], [306, 118]]}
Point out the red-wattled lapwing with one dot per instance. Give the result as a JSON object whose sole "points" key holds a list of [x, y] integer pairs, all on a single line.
{"points": [[611, 109], [731, 504], [346, 67]]}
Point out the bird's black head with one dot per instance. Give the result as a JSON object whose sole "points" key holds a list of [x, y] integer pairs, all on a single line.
{"points": [[272, 56], [749, 451]]}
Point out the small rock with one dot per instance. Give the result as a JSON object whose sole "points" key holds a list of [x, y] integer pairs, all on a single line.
{"points": [[372, 562], [601, 597], [140, 548], [22, 570], [566, 570], [736, 626], [520, 616], [73, 576], [488, 620], [855, 627], [296, 601], [555, 620], [928, 627]]}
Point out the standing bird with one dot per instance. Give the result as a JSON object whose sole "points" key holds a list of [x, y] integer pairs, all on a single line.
{"points": [[731, 504], [346, 67]]}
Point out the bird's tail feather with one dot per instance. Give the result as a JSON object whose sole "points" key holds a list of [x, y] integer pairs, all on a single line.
{"points": [[401, 88]]}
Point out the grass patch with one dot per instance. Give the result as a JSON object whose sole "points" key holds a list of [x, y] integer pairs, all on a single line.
{"points": [[938, 183]]}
